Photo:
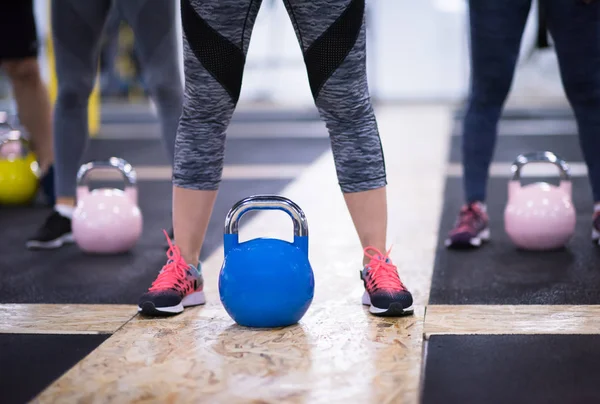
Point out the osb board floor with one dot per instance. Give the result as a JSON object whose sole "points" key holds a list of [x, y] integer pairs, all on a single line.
{"points": [[507, 319], [63, 319], [339, 352]]}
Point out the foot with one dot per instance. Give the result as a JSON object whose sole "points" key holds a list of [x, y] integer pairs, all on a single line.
{"points": [[54, 233], [177, 286], [384, 291], [596, 227], [471, 228], [47, 186]]}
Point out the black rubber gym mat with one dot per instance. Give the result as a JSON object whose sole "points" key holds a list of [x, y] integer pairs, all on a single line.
{"points": [[498, 273], [68, 275], [509, 147], [29, 363], [238, 151], [529, 113], [500, 369]]}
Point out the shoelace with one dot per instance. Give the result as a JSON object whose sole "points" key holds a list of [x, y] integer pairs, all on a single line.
{"points": [[384, 274], [466, 217], [173, 271]]}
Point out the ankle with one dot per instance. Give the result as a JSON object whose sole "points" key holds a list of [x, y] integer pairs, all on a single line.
{"points": [[65, 201], [480, 204], [64, 210], [191, 258], [367, 259], [44, 166]]}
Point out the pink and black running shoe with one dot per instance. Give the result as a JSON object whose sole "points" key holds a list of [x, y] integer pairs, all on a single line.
{"points": [[471, 228], [384, 291]]}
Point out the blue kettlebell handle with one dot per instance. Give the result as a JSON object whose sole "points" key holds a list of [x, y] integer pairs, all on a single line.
{"points": [[265, 202]]}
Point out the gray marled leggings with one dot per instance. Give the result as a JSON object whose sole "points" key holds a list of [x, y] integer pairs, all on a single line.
{"points": [[332, 37]]}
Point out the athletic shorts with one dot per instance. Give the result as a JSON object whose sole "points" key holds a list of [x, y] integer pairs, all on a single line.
{"points": [[18, 32]]}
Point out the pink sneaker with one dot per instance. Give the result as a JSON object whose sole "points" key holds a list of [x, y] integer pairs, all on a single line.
{"points": [[385, 294], [596, 227], [471, 228], [177, 286]]}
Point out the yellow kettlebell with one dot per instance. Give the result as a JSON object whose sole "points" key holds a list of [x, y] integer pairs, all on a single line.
{"points": [[18, 170]]}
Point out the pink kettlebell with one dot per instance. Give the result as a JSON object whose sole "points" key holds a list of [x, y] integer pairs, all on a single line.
{"points": [[107, 220], [11, 148], [5, 126], [540, 216]]}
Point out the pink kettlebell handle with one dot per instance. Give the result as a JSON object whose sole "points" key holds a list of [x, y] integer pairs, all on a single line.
{"points": [[539, 157], [129, 175]]}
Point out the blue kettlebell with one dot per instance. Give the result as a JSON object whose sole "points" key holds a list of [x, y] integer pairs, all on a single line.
{"points": [[265, 282]]}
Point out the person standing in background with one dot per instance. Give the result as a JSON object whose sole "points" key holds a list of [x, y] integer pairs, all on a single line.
{"points": [[19, 59], [496, 31], [77, 28]]}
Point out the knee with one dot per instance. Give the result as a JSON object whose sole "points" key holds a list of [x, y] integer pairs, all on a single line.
{"points": [[165, 86], [491, 93], [345, 110], [490, 85], [584, 91], [167, 94], [23, 71], [74, 92]]}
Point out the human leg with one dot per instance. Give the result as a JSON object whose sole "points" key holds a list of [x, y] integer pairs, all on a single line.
{"points": [[216, 39], [495, 38], [153, 23], [76, 31], [575, 29], [33, 105], [109, 52], [332, 37]]}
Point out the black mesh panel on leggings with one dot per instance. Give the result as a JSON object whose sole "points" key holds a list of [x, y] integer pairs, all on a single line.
{"points": [[223, 60], [328, 52]]}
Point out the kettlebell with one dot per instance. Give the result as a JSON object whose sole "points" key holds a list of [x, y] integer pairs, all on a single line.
{"points": [[4, 124], [540, 216], [18, 170], [265, 282], [107, 220]]}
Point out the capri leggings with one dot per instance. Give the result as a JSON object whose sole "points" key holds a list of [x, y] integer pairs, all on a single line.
{"points": [[496, 31], [331, 34], [77, 27]]}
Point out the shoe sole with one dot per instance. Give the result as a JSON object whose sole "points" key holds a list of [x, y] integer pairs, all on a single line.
{"points": [[474, 242], [195, 299], [52, 244], [394, 310], [596, 236]]}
